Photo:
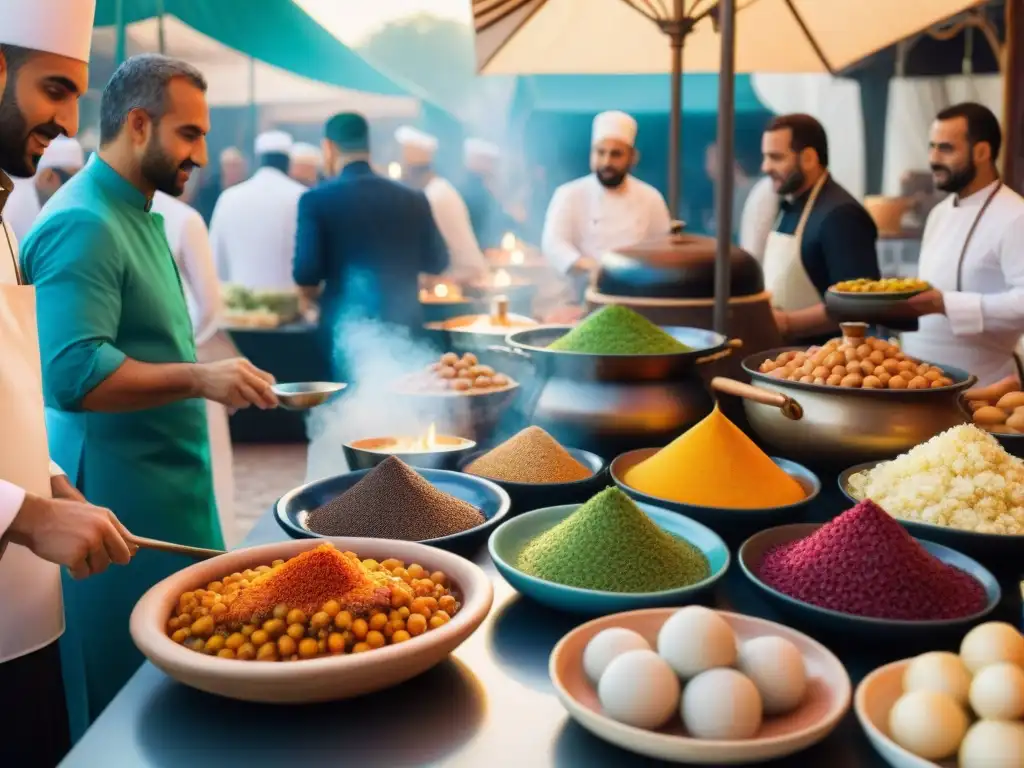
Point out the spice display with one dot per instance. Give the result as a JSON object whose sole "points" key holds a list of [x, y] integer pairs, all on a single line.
{"points": [[617, 330], [961, 478], [609, 544], [865, 564], [713, 464], [462, 375], [944, 692], [1001, 413], [856, 361], [392, 501], [320, 603], [531, 456], [885, 285]]}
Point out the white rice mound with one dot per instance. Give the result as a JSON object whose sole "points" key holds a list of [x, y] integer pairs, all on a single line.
{"points": [[961, 478]]}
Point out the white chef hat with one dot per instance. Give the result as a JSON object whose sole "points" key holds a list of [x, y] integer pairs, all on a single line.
{"points": [[277, 142], [62, 153], [301, 152], [231, 155], [63, 27], [477, 152], [614, 125], [418, 148]]}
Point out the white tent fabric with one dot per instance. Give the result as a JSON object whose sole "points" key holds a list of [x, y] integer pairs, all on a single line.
{"points": [[281, 95]]}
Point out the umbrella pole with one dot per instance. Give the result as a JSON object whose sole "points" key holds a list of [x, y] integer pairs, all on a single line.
{"points": [[724, 189], [675, 122]]}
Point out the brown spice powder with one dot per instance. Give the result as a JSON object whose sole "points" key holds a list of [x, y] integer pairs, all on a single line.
{"points": [[531, 456]]}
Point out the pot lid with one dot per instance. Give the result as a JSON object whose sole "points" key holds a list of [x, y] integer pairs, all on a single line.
{"points": [[678, 265]]}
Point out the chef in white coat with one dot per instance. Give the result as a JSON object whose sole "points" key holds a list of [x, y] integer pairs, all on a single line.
{"points": [[61, 160], [466, 260], [253, 226], [608, 209], [972, 252], [306, 163], [190, 245], [44, 521]]}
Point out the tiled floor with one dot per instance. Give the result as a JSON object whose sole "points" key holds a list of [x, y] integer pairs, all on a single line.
{"points": [[262, 474]]}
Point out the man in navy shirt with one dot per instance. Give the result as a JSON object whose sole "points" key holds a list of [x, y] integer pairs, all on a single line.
{"points": [[822, 236], [362, 239]]}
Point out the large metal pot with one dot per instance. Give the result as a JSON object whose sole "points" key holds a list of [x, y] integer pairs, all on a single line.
{"points": [[824, 424], [609, 404]]}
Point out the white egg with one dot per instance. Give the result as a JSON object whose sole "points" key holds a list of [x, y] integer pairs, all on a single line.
{"points": [[696, 639], [606, 645], [776, 667], [938, 671], [997, 693], [721, 704], [991, 643], [928, 723], [639, 688], [993, 744]]}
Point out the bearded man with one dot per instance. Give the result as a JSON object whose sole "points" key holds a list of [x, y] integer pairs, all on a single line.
{"points": [[123, 392]]}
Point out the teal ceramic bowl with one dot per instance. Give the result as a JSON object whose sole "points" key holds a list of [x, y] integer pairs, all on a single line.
{"points": [[510, 537]]}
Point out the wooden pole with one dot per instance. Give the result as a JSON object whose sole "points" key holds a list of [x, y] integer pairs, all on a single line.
{"points": [[1013, 96], [724, 188]]}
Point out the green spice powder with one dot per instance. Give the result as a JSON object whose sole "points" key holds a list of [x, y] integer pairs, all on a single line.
{"points": [[616, 330], [609, 544]]}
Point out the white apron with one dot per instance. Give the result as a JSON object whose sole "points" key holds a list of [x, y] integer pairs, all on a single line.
{"points": [[784, 275], [31, 610]]}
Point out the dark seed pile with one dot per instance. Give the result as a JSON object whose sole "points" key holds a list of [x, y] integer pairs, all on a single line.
{"points": [[866, 564], [618, 330], [392, 501]]}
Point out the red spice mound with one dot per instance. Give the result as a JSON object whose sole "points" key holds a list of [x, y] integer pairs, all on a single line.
{"points": [[306, 582], [866, 564]]}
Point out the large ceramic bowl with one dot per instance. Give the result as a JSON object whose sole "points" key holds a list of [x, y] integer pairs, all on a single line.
{"points": [[983, 546], [510, 537], [875, 697], [292, 509], [527, 496], [323, 679], [728, 522], [752, 553], [827, 699]]}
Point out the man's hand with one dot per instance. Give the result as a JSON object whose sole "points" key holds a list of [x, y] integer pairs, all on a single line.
{"points": [[781, 322], [61, 488], [236, 383], [585, 265], [927, 303], [78, 535]]}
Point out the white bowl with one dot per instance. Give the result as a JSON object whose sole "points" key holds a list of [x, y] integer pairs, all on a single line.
{"points": [[827, 699], [321, 679], [875, 697]]}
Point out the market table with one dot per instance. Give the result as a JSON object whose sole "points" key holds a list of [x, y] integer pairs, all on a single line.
{"points": [[490, 704]]}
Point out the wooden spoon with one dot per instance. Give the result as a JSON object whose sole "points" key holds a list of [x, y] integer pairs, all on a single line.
{"points": [[199, 553]]}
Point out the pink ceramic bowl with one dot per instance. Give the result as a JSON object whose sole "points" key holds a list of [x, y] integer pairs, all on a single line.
{"points": [[323, 679]]}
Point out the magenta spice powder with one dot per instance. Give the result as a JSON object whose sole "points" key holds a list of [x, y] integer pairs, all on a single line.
{"points": [[864, 563]]}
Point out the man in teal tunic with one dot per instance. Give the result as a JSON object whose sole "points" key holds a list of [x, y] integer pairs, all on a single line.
{"points": [[123, 392]]}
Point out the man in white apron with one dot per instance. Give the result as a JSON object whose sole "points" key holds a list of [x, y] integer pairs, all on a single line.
{"points": [[821, 236], [972, 252], [38, 533]]}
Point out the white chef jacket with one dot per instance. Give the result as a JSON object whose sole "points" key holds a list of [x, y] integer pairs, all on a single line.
{"points": [[757, 220], [585, 218], [252, 231], [451, 215], [22, 207], [985, 319]]}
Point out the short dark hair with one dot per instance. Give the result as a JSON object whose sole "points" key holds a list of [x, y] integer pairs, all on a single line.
{"points": [[982, 124], [15, 56], [807, 133], [141, 83]]}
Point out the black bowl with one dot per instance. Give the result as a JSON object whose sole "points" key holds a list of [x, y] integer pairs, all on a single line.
{"points": [[732, 524], [527, 496], [292, 509], [890, 310], [753, 550], [989, 548]]}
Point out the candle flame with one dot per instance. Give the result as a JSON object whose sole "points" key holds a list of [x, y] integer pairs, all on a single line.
{"points": [[394, 171], [441, 291], [502, 279], [516, 257], [508, 241]]}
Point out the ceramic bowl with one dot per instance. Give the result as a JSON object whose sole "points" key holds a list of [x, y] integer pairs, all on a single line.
{"points": [[292, 509], [733, 524], [754, 549], [983, 546], [890, 310], [827, 699], [510, 537], [875, 697], [323, 679], [301, 396], [368, 452], [527, 496]]}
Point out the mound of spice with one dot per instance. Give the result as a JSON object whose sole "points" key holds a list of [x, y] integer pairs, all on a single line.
{"points": [[864, 563], [306, 582], [393, 501], [616, 330], [609, 544], [531, 456]]}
